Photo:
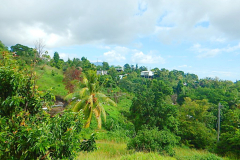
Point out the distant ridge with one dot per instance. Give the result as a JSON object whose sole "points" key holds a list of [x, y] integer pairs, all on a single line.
{"points": [[97, 63]]}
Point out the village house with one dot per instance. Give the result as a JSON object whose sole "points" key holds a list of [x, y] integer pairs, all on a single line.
{"points": [[119, 68], [147, 74]]}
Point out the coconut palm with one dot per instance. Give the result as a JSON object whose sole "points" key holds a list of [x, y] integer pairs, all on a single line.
{"points": [[89, 98]]}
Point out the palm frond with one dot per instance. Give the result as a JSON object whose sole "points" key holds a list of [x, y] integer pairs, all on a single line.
{"points": [[72, 96], [103, 98], [99, 120], [90, 101], [100, 105], [83, 92], [69, 96], [79, 105], [89, 118], [97, 112], [84, 79], [111, 102]]}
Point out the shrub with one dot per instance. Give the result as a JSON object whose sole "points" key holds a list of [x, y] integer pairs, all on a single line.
{"points": [[26, 136], [26, 131], [154, 140], [229, 144], [17, 89], [89, 145], [196, 134]]}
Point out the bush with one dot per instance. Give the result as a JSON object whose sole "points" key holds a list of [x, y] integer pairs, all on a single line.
{"points": [[89, 145], [17, 89], [154, 140], [28, 132], [229, 144], [27, 136], [197, 135]]}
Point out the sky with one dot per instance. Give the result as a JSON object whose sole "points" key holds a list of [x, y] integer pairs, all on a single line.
{"points": [[199, 37]]}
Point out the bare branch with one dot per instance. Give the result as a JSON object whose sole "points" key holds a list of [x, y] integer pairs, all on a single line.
{"points": [[39, 46]]}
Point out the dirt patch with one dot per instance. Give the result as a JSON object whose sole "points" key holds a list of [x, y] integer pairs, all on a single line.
{"points": [[55, 110]]}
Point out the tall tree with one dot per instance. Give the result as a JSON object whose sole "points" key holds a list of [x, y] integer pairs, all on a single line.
{"points": [[149, 107], [22, 50], [127, 68], [143, 68], [105, 66], [86, 64], [56, 57], [39, 46], [89, 98], [71, 76], [24, 53], [196, 123]]}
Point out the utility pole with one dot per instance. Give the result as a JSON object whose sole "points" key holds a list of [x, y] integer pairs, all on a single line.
{"points": [[219, 117]]}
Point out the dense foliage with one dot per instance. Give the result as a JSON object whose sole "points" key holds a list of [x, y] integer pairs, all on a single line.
{"points": [[27, 136], [89, 99], [28, 132], [154, 140], [177, 107], [71, 77]]}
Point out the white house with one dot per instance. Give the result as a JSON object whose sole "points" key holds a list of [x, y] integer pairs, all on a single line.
{"points": [[102, 72], [147, 74], [119, 68]]}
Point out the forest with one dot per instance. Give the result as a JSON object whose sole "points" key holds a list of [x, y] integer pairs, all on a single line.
{"points": [[117, 115]]}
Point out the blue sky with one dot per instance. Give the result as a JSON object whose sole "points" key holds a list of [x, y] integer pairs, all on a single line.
{"points": [[200, 37]]}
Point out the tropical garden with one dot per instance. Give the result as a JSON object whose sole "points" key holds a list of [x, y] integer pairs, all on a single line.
{"points": [[174, 115]]}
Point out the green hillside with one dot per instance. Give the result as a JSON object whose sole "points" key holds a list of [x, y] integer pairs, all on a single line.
{"points": [[50, 78], [172, 115]]}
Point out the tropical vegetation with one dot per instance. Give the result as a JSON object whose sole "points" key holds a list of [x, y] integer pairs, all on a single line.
{"points": [[174, 115]]}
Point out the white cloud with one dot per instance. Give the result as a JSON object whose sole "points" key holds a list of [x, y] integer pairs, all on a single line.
{"points": [[185, 66], [113, 56], [126, 55], [209, 53], [205, 52], [219, 39], [212, 52], [103, 47], [140, 57], [63, 56], [233, 48], [223, 73], [118, 22], [138, 45]]}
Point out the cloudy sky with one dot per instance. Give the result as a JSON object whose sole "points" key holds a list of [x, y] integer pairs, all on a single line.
{"points": [[200, 37]]}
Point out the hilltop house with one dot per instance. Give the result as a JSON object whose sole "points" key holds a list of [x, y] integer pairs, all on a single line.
{"points": [[119, 68], [147, 74]]}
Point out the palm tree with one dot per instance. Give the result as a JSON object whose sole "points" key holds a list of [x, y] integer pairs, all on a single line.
{"points": [[89, 98]]}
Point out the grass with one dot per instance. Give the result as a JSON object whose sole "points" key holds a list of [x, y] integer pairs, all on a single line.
{"points": [[191, 154], [118, 151], [50, 77]]}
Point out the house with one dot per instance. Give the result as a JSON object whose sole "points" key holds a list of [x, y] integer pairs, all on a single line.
{"points": [[147, 74], [119, 68], [101, 72]]}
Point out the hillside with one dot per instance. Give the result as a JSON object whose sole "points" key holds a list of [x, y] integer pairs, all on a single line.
{"points": [[50, 78], [170, 115]]}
